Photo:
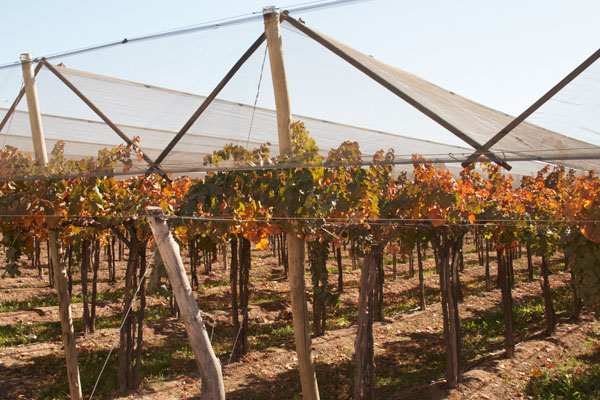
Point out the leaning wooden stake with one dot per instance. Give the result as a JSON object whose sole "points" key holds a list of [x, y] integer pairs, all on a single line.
{"points": [[208, 363], [308, 378], [60, 272]]}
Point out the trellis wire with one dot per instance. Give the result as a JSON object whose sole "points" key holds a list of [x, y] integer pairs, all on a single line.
{"points": [[212, 331], [209, 25], [237, 336], [122, 323], [328, 221], [450, 159]]}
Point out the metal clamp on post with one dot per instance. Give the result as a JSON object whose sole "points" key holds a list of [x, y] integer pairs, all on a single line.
{"points": [[156, 212], [270, 10]]}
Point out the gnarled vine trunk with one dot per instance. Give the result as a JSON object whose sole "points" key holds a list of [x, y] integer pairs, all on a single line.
{"points": [[549, 314], [507, 303], [85, 266], [364, 379], [422, 300], [126, 333], [509, 263], [233, 279], [488, 278], [379, 287], [340, 270], [193, 255], [140, 318], [244, 293], [457, 264], [95, 268], [576, 304], [317, 257], [239, 274], [529, 264], [446, 259], [131, 335], [284, 254]]}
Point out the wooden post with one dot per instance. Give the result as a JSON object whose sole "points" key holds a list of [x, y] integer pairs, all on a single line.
{"points": [[208, 363], [35, 117], [279, 77], [308, 378], [60, 272]]}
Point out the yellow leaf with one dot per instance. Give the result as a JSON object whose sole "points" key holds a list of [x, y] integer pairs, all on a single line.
{"points": [[263, 244]]}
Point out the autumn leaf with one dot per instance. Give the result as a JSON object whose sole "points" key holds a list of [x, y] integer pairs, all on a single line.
{"points": [[263, 244], [435, 216], [571, 210], [591, 231]]}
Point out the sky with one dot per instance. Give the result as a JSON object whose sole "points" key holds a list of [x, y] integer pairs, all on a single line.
{"points": [[502, 53]]}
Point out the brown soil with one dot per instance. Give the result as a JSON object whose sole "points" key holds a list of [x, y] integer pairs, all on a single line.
{"points": [[268, 372]]}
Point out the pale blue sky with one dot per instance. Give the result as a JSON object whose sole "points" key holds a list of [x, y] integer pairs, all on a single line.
{"points": [[504, 54]]}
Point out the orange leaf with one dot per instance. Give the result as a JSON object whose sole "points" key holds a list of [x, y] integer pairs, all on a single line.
{"points": [[263, 244], [436, 217], [591, 231]]}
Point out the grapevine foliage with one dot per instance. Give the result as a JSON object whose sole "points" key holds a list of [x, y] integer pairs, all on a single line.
{"points": [[554, 209]]}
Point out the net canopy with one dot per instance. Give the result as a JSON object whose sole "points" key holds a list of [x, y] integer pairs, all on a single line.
{"points": [[565, 125], [575, 110], [156, 114]]}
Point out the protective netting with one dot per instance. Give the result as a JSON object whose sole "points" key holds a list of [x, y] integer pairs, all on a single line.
{"points": [[482, 123], [318, 80], [575, 110], [156, 115]]}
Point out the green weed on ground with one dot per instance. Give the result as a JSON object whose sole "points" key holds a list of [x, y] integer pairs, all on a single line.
{"points": [[420, 357], [52, 300], [565, 382], [577, 378]]}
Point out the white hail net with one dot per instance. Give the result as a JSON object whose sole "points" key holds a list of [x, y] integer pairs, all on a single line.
{"points": [[343, 104]]}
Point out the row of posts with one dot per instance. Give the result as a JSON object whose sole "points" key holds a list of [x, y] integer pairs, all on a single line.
{"points": [[208, 364]]}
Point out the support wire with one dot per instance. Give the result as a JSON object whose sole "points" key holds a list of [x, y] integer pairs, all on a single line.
{"points": [[209, 25], [449, 159], [262, 69], [112, 347]]}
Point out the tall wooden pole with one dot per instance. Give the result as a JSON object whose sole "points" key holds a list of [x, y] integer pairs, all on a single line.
{"points": [[35, 117], [310, 389], [60, 272], [208, 364]]}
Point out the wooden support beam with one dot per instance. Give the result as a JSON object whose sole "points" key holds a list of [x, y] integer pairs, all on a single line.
{"points": [[15, 103], [310, 389], [99, 113], [186, 127], [388, 85], [60, 272], [531, 109], [208, 363]]}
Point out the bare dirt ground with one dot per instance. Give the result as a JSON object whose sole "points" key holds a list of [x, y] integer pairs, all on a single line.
{"points": [[408, 343]]}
